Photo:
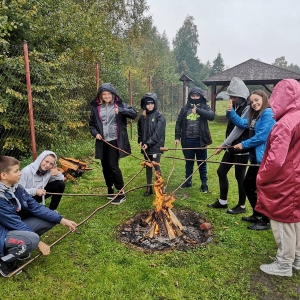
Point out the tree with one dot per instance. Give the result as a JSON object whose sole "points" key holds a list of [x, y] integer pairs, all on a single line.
{"points": [[218, 65], [185, 46], [280, 62], [294, 68]]}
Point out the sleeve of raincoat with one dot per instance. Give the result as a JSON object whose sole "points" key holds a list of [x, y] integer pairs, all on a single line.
{"points": [[93, 125], [127, 111], [275, 156], [178, 125], [139, 129], [205, 112]]}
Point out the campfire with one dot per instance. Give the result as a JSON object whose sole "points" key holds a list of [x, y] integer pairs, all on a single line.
{"points": [[162, 220], [164, 227]]}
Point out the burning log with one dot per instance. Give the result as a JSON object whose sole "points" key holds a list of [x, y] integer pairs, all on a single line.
{"points": [[162, 220]]}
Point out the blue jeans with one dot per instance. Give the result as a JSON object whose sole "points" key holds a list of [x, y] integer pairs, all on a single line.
{"points": [[200, 154]]}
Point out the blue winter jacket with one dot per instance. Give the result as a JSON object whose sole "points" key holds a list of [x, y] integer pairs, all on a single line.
{"points": [[10, 220], [263, 127]]}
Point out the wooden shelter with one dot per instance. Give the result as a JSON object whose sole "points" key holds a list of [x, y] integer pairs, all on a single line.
{"points": [[252, 72], [186, 84]]}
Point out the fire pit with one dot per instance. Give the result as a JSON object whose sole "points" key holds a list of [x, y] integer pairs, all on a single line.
{"points": [[163, 228]]}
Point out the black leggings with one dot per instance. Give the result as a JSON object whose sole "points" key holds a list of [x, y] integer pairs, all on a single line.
{"points": [[251, 190], [110, 166], [239, 175]]}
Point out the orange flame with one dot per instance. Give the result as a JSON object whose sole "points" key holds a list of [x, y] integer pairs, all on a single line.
{"points": [[161, 199]]}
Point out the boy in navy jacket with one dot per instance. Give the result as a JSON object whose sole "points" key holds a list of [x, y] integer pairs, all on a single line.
{"points": [[22, 219]]}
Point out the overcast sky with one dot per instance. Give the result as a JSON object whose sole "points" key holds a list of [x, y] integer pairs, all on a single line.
{"points": [[239, 29]]}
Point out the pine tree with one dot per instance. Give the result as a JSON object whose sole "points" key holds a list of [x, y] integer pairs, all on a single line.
{"points": [[218, 65]]}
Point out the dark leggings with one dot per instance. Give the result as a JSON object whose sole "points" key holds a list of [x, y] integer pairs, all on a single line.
{"points": [[110, 166], [251, 190], [57, 186], [239, 175]]}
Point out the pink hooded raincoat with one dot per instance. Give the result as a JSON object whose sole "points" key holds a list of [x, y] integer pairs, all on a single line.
{"points": [[278, 179]]}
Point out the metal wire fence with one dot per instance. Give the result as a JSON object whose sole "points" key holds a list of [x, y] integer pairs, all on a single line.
{"points": [[45, 99]]}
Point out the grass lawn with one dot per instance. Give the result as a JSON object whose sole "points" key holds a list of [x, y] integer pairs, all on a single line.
{"points": [[92, 264]]}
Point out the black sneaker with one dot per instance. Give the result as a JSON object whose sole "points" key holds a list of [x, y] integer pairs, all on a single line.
{"points": [[204, 189], [110, 192], [8, 267], [148, 192], [119, 199], [236, 210], [250, 219], [217, 204], [186, 185], [24, 257], [259, 226]]}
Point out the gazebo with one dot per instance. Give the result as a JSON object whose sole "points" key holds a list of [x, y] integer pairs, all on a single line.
{"points": [[252, 72]]}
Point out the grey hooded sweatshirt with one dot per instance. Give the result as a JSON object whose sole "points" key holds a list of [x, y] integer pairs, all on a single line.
{"points": [[237, 88], [31, 181]]}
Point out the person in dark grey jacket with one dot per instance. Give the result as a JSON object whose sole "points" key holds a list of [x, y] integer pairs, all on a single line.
{"points": [[238, 92], [192, 130], [151, 134], [108, 121]]}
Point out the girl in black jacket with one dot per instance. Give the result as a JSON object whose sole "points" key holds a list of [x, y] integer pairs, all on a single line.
{"points": [[108, 121], [151, 134]]}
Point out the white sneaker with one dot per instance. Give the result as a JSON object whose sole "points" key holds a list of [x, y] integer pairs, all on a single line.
{"points": [[296, 264], [277, 268]]}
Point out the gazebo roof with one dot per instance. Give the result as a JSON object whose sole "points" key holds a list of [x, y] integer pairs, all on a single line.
{"points": [[252, 72]]}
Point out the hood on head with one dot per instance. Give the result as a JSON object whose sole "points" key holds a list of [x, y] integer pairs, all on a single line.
{"points": [[36, 164], [153, 96], [107, 87], [196, 90], [285, 97], [237, 88]]}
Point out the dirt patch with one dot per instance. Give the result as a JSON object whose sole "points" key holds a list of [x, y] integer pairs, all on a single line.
{"points": [[266, 287], [133, 233]]}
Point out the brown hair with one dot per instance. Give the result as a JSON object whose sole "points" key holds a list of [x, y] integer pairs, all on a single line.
{"points": [[265, 104], [7, 162]]}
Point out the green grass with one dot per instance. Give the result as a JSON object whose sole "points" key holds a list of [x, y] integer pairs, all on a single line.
{"points": [[92, 264]]}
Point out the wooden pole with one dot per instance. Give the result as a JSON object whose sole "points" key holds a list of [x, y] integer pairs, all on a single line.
{"points": [[30, 103]]}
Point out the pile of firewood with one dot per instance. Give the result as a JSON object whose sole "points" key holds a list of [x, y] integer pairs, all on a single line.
{"points": [[72, 168]]}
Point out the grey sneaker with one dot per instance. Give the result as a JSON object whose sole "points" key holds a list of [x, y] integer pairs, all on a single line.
{"points": [[296, 264], [277, 268]]}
